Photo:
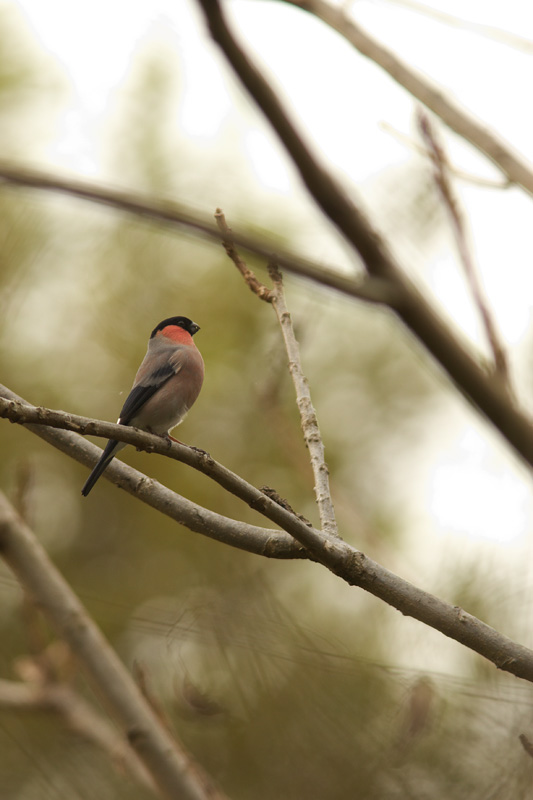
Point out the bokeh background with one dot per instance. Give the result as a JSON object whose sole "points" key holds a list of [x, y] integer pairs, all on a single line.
{"points": [[281, 680]]}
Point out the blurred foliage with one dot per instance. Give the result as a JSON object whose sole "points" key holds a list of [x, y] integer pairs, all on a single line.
{"points": [[281, 680]]}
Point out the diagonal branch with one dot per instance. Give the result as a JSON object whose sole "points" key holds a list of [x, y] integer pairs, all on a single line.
{"points": [[371, 290], [78, 716], [514, 166], [413, 309], [269, 543], [171, 767], [442, 178], [488, 31], [339, 557]]}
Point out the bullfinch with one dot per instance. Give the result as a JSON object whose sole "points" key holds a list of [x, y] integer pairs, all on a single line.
{"points": [[165, 387]]}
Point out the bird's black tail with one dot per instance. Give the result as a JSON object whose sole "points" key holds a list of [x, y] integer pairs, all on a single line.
{"points": [[110, 451]]}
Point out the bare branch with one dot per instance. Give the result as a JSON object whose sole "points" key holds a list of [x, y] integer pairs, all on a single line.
{"points": [[371, 290], [339, 557], [488, 31], [411, 306], [269, 543], [467, 177], [258, 288], [308, 417], [309, 421], [141, 678], [81, 718], [451, 203], [515, 168], [170, 766]]}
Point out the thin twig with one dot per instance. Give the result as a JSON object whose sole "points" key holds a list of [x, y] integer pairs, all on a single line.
{"points": [[141, 677], [369, 289], [171, 767], [514, 166], [255, 285], [81, 718], [308, 417], [339, 557], [466, 177], [487, 31], [441, 174]]}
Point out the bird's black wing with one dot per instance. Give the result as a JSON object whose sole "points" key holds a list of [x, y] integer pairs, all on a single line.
{"points": [[141, 393]]}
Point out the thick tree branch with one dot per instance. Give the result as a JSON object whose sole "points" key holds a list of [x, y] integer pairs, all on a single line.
{"points": [[515, 168], [339, 557], [411, 306], [172, 769], [269, 543]]}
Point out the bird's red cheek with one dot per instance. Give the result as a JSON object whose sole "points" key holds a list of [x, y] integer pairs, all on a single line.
{"points": [[176, 334]]}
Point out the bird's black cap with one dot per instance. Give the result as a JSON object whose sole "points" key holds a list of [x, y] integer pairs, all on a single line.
{"points": [[181, 322]]}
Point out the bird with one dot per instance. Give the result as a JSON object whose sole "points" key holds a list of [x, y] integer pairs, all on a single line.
{"points": [[166, 385]]}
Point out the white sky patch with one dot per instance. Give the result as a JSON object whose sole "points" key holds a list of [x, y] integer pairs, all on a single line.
{"points": [[449, 285], [272, 172], [94, 41], [205, 101], [472, 493]]}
